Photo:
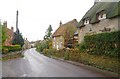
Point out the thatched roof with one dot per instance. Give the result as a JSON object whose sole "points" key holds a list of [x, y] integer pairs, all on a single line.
{"points": [[112, 9], [70, 27]]}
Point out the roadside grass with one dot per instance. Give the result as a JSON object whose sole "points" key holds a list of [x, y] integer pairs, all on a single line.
{"points": [[102, 62], [99, 61], [11, 57]]}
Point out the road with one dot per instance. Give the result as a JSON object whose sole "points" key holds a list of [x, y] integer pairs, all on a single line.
{"points": [[0, 69], [38, 65]]}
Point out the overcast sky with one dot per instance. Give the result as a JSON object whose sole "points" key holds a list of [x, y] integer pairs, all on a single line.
{"points": [[36, 15]]}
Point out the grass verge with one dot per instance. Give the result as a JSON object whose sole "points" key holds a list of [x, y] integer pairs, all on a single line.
{"points": [[100, 61], [8, 57]]}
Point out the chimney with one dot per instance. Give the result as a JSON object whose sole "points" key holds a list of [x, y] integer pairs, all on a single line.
{"points": [[75, 19], [96, 1], [5, 23], [12, 28], [60, 23]]}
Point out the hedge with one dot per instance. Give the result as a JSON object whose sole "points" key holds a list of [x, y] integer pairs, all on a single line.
{"points": [[66, 54], [103, 44], [13, 48], [101, 62]]}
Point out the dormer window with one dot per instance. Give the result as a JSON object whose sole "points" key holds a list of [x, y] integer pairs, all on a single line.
{"points": [[86, 21], [101, 15]]}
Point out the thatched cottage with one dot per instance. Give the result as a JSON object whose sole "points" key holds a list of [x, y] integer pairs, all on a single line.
{"points": [[27, 44], [102, 17], [63, 36]]}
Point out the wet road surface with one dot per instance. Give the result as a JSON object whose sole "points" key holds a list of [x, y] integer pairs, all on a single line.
{"points": [[0, 69], [38, 65]]}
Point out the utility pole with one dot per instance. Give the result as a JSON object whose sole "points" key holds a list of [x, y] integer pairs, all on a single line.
{"points": [[17, 13]]}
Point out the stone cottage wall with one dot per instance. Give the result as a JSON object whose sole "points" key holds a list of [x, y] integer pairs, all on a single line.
{"points": [[108, 24], [58, 42]]}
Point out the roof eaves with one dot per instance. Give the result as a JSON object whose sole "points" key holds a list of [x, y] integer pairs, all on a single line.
{"points": [[56, 36]]}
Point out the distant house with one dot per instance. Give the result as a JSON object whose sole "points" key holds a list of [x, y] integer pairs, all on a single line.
{"points": [[9, 33], [63, 36], [102, 17], [32, 44], [27, 44]]}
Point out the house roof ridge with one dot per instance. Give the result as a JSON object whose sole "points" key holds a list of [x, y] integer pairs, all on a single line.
{"points": [[109, 7], [63, 27]]}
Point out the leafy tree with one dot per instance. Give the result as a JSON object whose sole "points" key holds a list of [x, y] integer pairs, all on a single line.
{"points": [[46, 43], [4, 36], [48, 34], [0, 38], [17, 38], [41, 46], [0, 33]]}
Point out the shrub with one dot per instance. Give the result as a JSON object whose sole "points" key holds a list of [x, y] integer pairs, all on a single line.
{"points": [[102, 62], [82, 47], [103, 44], [4, 50], [67, 54], [41, 46], [0, 49], [11, 48], [49, 52], [3, 34], [18, 38]]}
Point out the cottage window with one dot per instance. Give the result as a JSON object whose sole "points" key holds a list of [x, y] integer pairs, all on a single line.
{"points": [[86, 21], [102, 15], [57, 47]]}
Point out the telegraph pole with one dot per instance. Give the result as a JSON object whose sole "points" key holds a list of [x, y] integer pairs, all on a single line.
{"points": [[17, 20], [17, 13]]}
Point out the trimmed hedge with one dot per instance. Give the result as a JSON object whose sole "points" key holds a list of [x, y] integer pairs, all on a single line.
{"points": [[103, 44], [13, 48]]}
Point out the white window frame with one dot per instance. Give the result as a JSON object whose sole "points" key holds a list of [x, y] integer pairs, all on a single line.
{"points": [[102, 16], [87, 21]]}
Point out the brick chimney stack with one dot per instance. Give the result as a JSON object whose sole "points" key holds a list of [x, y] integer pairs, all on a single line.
{"points": [[60, 23], [12, 28], [96, 1]]}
